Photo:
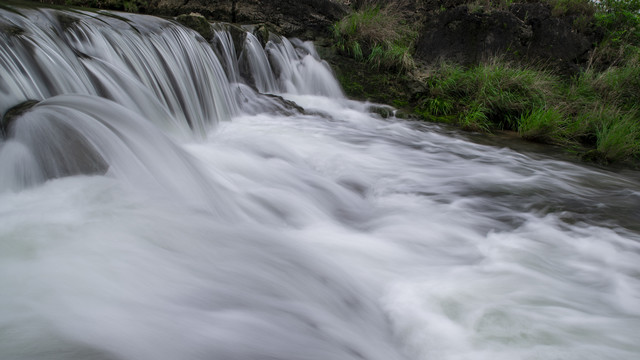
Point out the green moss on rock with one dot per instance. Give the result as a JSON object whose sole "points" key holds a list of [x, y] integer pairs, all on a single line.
{"points": [[198, 23]]}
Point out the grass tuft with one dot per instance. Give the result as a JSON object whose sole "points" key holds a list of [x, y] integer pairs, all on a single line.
{"points": [[378, 36], [500, 91], [542, 125]]}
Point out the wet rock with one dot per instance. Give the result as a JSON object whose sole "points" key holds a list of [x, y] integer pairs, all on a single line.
{"points": [[197, 22], [59, 149], [284, 106], [301, 18], [12, 30], [383, 110], [69, 153], [13, 113], [220, 10], [237, 33]]}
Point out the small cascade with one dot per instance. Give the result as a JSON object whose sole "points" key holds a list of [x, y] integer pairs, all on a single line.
{"points": [[152, 67], [86, 135], [255, 67], [283, 66], [159, 70], [162, 197], [300, 70], [225, 49]]}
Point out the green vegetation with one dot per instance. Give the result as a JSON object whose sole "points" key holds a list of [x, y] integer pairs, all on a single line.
{"points": [[595, 114], [596, 111], [198, 23], [493, 95], [620, 22], [584, 8], [377, 36]]}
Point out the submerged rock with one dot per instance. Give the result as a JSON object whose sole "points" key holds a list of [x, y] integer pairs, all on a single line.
{"points": [[59, 149], [384, 111], [284, 106], [69, 153], [13, 113]]}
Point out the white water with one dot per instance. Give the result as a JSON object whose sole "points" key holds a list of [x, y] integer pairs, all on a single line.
{"points": [[280, 235]]}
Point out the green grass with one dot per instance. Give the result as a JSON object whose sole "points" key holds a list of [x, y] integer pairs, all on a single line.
{"points": [[546, 125], [378, 37], [596, 113], [619, 138], [494, 95]]}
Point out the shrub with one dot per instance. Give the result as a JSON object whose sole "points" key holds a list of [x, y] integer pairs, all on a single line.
{"points": [[620, 22]]}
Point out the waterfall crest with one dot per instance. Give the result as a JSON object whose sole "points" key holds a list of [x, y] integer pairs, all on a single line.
{"points": [[167, 74]]}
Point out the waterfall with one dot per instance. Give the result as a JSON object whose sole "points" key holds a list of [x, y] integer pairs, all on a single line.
{"points": [[163, 72], [141, 67], [165, 196]]}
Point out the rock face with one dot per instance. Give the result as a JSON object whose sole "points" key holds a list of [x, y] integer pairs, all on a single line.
{"points": [[300, 18], [466, 37], [524, 31]]}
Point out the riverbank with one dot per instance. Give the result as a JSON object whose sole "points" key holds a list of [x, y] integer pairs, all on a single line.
{"points": [[556, 72]]}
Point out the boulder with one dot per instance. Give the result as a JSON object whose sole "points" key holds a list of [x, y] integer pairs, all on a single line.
{"points": [[59, 149], [553, 38], [197, 22], [466, 37], [524, 32]]}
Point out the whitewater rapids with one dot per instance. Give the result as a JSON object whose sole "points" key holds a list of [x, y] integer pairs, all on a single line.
{"points": [[228, 225]]}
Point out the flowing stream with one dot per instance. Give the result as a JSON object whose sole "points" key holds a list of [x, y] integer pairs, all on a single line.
{"points": [[175, 198]]}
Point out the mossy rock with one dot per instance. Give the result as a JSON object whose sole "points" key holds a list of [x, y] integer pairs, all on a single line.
{"points": [[198, 23], [12, 30], [382, 110]]}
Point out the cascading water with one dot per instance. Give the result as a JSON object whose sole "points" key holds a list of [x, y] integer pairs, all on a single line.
{"points": [[155, 204]]}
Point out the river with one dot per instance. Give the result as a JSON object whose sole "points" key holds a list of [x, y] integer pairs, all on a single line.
{"points": [[156, 204]]}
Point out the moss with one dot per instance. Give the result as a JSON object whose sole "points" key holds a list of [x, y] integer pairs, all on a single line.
{"points": [[198, 23], [12, 30]]}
